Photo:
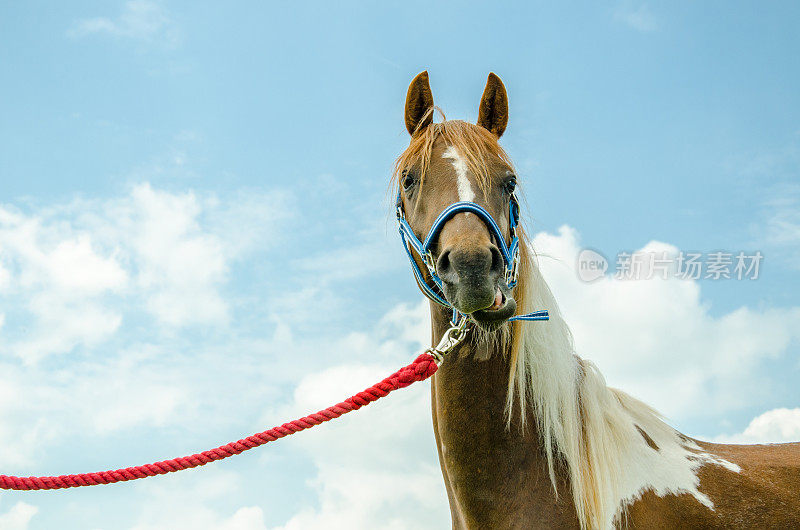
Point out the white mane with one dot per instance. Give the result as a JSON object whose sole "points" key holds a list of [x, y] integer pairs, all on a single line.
{"points": [[595, 430]]}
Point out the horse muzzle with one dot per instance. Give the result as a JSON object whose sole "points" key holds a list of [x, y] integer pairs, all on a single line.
{"points": [[471, 277]]}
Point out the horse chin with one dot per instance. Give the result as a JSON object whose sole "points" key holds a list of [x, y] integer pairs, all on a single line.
{"points": [[493, 319]]}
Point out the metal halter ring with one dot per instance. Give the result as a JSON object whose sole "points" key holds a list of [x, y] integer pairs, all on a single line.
{"points": [[454, 336]]}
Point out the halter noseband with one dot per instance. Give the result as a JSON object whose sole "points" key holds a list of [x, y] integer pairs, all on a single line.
{"points": [[509, 252]]}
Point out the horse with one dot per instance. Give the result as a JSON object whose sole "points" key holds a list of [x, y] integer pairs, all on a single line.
{"points": [[528, 433]]}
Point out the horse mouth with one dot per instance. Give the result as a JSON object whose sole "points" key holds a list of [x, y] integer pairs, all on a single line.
{"points": [[492, 317]]}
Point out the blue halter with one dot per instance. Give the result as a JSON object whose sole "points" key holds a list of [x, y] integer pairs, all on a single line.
{"points": [[509, 252]]}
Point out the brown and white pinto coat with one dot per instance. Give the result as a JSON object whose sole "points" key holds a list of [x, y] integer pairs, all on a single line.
{"points": [[528, 433]]}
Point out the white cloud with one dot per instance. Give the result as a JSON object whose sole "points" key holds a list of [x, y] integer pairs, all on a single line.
{"points": [[20, 432], [139, 19], [182, 246], [5, 276], [39, 407], [638, 17], [410, 323], [73, 274], [247, 518], [395, 464], [52, 256], [59, 276], [21, 437], [76, 270], [773, 426], [658, 339], [179, 264], [181, 502], [18, 517], [73, 265], [134, 394], [64, 323]]}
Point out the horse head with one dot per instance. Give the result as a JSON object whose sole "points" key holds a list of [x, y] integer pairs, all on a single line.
{"points": [[456, 191]]}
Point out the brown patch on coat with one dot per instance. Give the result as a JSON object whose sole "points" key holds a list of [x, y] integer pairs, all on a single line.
{"points": [[765, 494], [649, 441]]}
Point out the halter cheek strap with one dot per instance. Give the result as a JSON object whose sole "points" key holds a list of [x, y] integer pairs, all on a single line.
{"points": [[510, 252]]}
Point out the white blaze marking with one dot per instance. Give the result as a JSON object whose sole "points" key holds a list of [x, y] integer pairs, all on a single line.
{"points": [[465, 192]]}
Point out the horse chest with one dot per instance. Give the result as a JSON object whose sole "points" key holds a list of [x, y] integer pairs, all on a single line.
{"points": [[496, 476]]}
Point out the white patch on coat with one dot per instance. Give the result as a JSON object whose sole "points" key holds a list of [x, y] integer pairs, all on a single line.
{"points": [[672, 470], [575, 410], [465, 192]]}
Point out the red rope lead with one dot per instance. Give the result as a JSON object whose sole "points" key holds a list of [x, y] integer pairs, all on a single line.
{"points": [[422, 368]]}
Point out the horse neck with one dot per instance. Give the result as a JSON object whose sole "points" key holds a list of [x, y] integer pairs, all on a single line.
{"points": [[493, 471]]}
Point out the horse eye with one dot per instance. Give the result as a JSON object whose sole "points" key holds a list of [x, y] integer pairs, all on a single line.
{"points": [[510, 185], [407, 180]]}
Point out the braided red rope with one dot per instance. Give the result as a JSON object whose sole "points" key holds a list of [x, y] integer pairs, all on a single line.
{"points": [[422, 368]]}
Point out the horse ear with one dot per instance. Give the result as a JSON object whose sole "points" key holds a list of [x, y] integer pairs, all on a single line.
{"points": [[419, 104], [493, 112]]}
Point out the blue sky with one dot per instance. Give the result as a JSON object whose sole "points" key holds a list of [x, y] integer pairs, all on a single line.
{"points": [[194, 228]]}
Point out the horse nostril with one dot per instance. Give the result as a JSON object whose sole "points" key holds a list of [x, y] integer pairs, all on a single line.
{"points": [[444, 268], [469, 274], [457, 265], [497, 260]]}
